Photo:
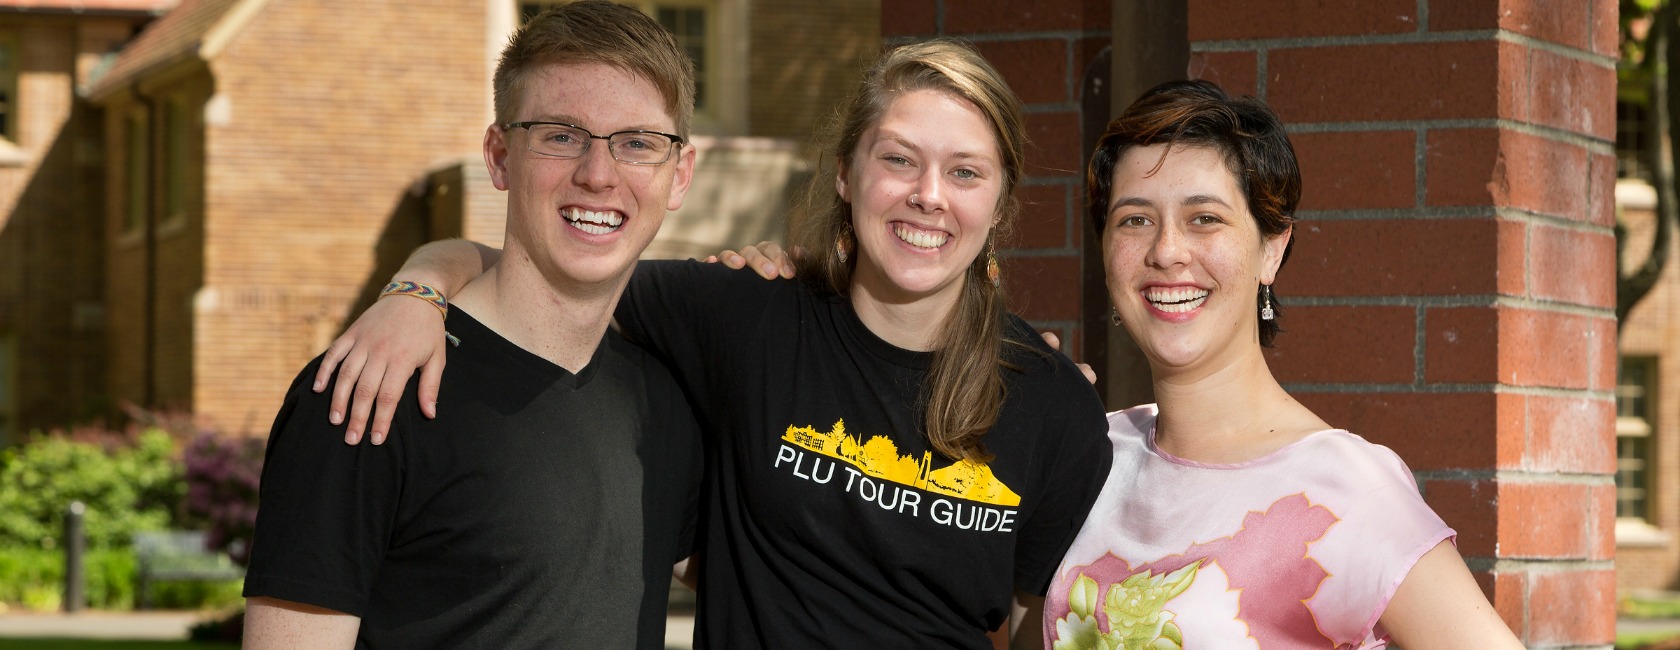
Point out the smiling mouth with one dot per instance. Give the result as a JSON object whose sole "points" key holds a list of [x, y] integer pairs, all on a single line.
{"points": [[920, 238], [594, 223], [1176, 300]]}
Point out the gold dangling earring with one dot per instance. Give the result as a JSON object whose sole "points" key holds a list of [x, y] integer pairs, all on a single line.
{"points": [[843, 244], [1266, 312], [992, 273]]}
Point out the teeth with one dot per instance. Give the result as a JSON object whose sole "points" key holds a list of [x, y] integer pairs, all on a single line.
{"points": [[594, 223], [1176, 300], [920, 239]]}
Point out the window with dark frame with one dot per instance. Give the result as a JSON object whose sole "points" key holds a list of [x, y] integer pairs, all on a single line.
{"points": [[1635, 421], [9, 72]]}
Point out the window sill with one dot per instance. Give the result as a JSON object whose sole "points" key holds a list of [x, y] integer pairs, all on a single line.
{"points": [[11, 155], [1638, 533]]}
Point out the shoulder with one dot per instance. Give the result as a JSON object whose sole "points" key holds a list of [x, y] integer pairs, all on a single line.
{"points": [[1372, 465], [643, 365], [1032, 366], [692, 274]]}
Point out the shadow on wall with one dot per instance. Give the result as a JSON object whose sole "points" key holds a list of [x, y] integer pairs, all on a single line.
{"points": [[52, 276], [406, 228]]}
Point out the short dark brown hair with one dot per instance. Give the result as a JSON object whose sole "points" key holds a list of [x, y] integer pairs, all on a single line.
{"points": [[1200, 113], [597, 31]]}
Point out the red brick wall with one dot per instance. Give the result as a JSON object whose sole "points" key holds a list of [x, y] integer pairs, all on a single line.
{"points": [[51, 189], [1451, 288], [335, 112], [1044, 53]]}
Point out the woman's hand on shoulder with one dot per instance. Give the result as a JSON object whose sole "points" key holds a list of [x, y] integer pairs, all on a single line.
{"points": [[374, 359], [1055, 343], [1439, 606], [765, 257]]}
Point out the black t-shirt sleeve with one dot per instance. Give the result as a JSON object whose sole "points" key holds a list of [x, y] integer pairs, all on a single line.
{"points": [[326, 509], [685, 311], [1078, 460]]}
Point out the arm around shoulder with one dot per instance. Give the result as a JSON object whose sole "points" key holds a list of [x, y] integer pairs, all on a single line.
{"points": [[275, 623], [1439, 605]]}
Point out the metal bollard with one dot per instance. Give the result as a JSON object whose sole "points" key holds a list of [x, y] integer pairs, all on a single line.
{"points": [[75, 573]]}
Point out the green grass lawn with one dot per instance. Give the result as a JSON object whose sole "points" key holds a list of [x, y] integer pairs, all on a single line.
{"points": [[98, 644], [1631, 641]]}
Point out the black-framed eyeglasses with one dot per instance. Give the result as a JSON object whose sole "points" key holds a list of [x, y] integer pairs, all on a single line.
{"points": [[561, 140]]}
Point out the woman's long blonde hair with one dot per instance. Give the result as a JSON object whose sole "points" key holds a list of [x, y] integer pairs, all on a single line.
{"points": [[964, 390]]}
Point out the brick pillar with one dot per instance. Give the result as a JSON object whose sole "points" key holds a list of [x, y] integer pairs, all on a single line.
{"points": [[1452, 284], [1046, 51]]}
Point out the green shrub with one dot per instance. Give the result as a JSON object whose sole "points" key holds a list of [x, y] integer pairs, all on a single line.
{"points": [[34, 578], [126, 488]]}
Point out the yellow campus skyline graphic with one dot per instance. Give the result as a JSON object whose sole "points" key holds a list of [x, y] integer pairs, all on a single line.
{"points": [[879, 458]]}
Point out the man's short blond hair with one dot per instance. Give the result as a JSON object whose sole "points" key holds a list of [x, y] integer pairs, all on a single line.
{"points": [[597, 31]]}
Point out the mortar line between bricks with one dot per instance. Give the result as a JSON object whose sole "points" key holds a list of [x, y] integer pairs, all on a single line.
{"points": [[1011, 253], [1554, 48], [1402, 38], [1441, 388], [1539, 218], [1514, 477], [1423, 16], [1262, 62], [1590, 143], [1407, 214], [1420, 337], [1546, 391], [1420, 166], [1538, 304], [1049, 34], [1513, 565], [1476, 300]]}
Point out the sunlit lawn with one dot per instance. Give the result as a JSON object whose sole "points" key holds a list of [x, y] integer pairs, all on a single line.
{"points": [[1632, 641]]}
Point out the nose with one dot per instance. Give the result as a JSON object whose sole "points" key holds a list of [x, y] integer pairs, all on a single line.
{"points": [[1168, 249], [929, 194], [596, 170]]}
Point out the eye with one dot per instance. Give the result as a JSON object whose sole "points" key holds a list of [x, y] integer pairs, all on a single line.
{"points": [[966, 174], [562, 137], [1132, 221], [1206, 220], [895, 159], [635, 142]]}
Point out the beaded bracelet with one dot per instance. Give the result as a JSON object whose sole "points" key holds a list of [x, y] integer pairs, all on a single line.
{"points": [[424, 292]]}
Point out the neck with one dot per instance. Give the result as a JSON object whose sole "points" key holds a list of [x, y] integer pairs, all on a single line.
{"points": [[912, 323], [554, 319], [1230, 414]]}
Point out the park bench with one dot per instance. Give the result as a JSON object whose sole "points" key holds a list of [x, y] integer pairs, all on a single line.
{"points": [[177, 555]]}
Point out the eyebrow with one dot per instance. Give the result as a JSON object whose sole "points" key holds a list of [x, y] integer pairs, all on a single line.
{"points": [[964, 155], [1192, 200], [574, 121]]}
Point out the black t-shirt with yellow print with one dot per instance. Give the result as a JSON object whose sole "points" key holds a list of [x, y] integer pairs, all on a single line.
{"points": [[828, 521]]}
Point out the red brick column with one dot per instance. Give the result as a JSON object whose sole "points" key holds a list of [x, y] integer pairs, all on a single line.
{"points": [[1452, 284], [1045, 50]]}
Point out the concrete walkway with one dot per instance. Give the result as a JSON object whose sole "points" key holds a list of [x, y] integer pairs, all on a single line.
{"points": [[173, 626]]}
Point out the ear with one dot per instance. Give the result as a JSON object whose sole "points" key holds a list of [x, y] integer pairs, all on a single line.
{"points": [[840, 179], [1275, 245], [495, 156], [685, 176]]}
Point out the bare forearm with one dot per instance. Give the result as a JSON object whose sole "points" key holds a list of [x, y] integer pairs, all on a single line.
{"points": [[449, 264]]}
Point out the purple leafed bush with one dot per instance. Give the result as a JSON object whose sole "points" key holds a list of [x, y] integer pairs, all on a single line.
{"points": [[222, 474]]}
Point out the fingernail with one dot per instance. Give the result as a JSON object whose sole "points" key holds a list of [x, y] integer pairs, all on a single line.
{"points": [[335, 417], [318, 385], [770, 269], [378, 438], [431, 409], [352, 437]]}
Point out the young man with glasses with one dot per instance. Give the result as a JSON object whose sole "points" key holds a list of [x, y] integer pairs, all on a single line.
{"points": [[546, 506]]}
